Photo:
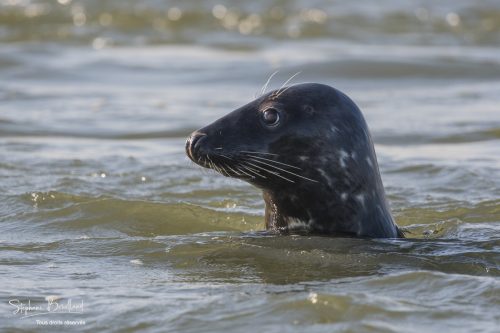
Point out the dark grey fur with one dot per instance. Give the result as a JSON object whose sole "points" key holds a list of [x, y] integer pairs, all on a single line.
{"points": [[317, 167]]}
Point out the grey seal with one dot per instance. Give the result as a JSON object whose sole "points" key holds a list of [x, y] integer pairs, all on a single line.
{"points": [[308, 148]]}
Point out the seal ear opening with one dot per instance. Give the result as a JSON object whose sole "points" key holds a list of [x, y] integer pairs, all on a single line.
{"points": [[309, 110]]}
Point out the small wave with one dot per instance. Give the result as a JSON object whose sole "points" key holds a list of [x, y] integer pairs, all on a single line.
{"points": [[289, 259], [61, 211], [442, 221]]}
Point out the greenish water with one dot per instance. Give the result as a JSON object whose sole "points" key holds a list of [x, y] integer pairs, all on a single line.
{"points": [[100, 205]]}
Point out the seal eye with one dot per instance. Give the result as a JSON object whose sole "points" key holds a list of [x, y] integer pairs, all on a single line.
{"points": [[271, 117]]}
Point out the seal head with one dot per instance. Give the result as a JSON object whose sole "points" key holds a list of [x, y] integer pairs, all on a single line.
{"points": [[308, 148]]}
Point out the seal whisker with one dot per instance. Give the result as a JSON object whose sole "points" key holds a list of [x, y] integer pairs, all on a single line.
{"points": [[264, 88], [228, 166], [271, 172], [252, 171], [211, 164], [225, 156], [249, 167], [279, 92], [283, 91], [277, 168], [273, 161], [237, 168], [256, 152], [235, 172], [199, 159], [214, 166], [225, 173]]}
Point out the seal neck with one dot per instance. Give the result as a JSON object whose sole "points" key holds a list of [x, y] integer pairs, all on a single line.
{"points": [[359, 215]]}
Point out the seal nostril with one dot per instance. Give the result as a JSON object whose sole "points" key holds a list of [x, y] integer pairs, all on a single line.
{"points": [[195, 142]]}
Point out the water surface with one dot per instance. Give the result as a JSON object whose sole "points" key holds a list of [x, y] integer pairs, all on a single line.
{"points": [[98, 202]]}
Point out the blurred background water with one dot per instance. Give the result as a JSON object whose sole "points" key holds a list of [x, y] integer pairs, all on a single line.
{"points": [[99, 204]]}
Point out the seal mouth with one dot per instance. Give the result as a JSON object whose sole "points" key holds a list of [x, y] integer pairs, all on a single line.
{"points": [[258, 168]]}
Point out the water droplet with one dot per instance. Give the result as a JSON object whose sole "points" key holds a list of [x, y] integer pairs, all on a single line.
{"points": [[219, 11], [230, 20], [99, 43], [453, 19], [52, 298], [313, 298], [174, 14]]}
